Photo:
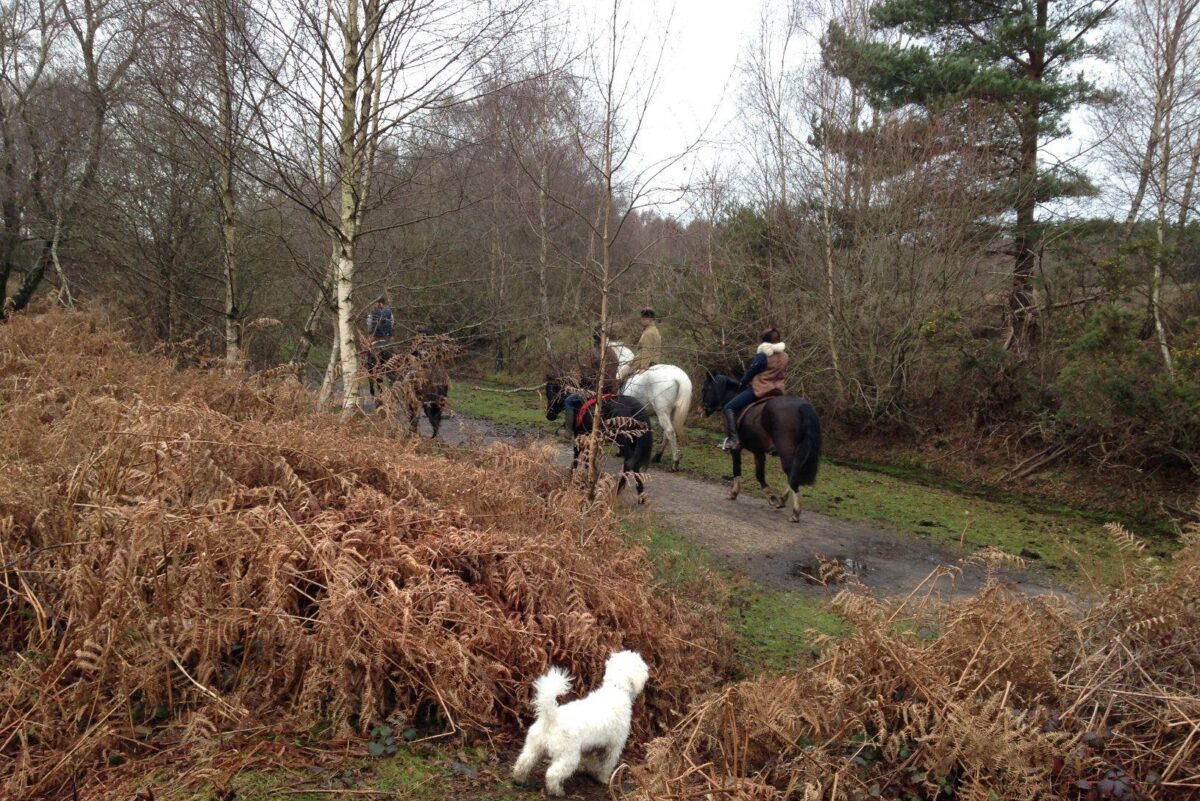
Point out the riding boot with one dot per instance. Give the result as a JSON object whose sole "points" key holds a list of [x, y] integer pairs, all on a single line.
{"points": [[731, 437]]}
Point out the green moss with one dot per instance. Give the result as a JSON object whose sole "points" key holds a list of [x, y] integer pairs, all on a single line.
{"points": [[422, 773], [408, 773], [774, 628], [777, 628], [490, 401]]}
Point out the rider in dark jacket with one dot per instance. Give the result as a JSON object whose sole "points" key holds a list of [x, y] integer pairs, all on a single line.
{"points": [[765, 376], [380, 321]]}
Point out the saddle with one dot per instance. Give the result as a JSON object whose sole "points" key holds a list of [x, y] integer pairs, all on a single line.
{"points": [[757, 402], [588, 404], [639, 371]]}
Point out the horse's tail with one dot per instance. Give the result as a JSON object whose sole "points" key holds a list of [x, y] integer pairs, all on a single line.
{"points": [[683, 404], [803, 471]]}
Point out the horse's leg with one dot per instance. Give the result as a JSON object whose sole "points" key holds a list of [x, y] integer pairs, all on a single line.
{"points": [[433, 413], [760, 472], [737, 474], [786, 454], [668, 431], [675, 457], [795, 517]]}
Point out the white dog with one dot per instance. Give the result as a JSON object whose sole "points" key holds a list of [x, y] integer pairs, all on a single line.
{"points": [[588, 733]]}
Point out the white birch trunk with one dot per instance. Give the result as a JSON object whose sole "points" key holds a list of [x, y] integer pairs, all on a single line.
{"points": [[233, 330], [349, 163], [331, 371], [1160, 256], [64, 287], [344, 284], [227, 188], [544, 252]]}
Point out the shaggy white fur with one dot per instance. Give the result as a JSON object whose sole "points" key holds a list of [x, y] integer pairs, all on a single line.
{"points": [[589, 733], [769, 348]]}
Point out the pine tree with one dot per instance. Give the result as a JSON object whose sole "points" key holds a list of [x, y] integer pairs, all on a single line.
{"points": [[1011, 58]]}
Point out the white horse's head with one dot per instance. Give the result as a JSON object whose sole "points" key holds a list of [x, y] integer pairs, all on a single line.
{"points": [[624, 357]]}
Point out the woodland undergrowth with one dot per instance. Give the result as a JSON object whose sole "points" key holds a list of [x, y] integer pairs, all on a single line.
{"points": [[998, 696], [193, 557]]}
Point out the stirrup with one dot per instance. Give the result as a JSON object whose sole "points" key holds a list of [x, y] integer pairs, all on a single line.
{"points": [[730, 445]]}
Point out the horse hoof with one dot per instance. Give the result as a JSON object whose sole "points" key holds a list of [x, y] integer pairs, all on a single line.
{"points": [[795, 518], [642, 499], [775, 501], [733, 496]]}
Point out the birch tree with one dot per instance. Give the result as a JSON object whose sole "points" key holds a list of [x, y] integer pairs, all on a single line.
{"points": [[207, 81], [358, 74], [620, 74], [103, 39], [1153, 137]]}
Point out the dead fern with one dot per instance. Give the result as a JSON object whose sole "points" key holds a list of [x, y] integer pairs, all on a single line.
{"points": [[190, 553], [997, 696]]}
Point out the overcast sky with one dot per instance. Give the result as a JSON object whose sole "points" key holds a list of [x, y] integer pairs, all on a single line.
{"points": [[699, 84]]}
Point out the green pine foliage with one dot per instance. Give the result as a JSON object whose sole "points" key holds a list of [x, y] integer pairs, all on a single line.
{"points": [[1015, 60]]}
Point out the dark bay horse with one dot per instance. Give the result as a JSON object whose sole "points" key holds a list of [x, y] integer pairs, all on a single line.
{"points": [[419, 386], [783, 424], [622, 419]]}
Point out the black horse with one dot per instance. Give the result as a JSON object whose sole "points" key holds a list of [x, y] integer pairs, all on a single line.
{"points": [[622, 418], [430, 385], [783, 424]]}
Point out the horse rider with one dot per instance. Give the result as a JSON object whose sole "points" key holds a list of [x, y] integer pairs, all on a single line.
{"points": [[591, 376], [764, 377], [381, 324], [649, 346]]}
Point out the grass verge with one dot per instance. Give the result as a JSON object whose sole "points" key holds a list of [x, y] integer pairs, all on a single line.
{"points": [[423, 772], [775, 628]]}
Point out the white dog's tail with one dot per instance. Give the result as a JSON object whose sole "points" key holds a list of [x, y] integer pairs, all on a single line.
{"points": [[546, 691]]}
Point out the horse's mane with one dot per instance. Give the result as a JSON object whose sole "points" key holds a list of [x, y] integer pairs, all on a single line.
{"points": [[721, 379]]}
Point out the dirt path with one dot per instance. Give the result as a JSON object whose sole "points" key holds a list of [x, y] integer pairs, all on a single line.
{"points": [[752, 538]]}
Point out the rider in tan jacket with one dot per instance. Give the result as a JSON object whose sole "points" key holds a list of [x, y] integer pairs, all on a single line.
{"points": [[766, 376], [649, 346]]}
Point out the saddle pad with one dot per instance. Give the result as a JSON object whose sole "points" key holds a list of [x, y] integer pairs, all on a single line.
{"points": [[587, 404], [757, 402]]}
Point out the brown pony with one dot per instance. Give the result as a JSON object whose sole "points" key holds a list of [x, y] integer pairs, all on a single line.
{"points": [[419, 386], [783, 424], [630, 429]]}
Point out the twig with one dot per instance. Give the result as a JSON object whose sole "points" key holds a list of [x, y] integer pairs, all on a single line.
{"points": [[36, 551], [303, 791], [537, 388]]}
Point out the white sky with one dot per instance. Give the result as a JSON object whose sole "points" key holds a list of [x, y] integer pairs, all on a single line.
{"points": [[705, 41], [698, 81]]}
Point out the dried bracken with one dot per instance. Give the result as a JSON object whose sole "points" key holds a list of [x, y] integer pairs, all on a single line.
{"points": [[998, 696], [185, 553]]}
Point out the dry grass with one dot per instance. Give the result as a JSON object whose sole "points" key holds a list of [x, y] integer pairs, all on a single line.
{"points": [[186, 553], [996, 697]]}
